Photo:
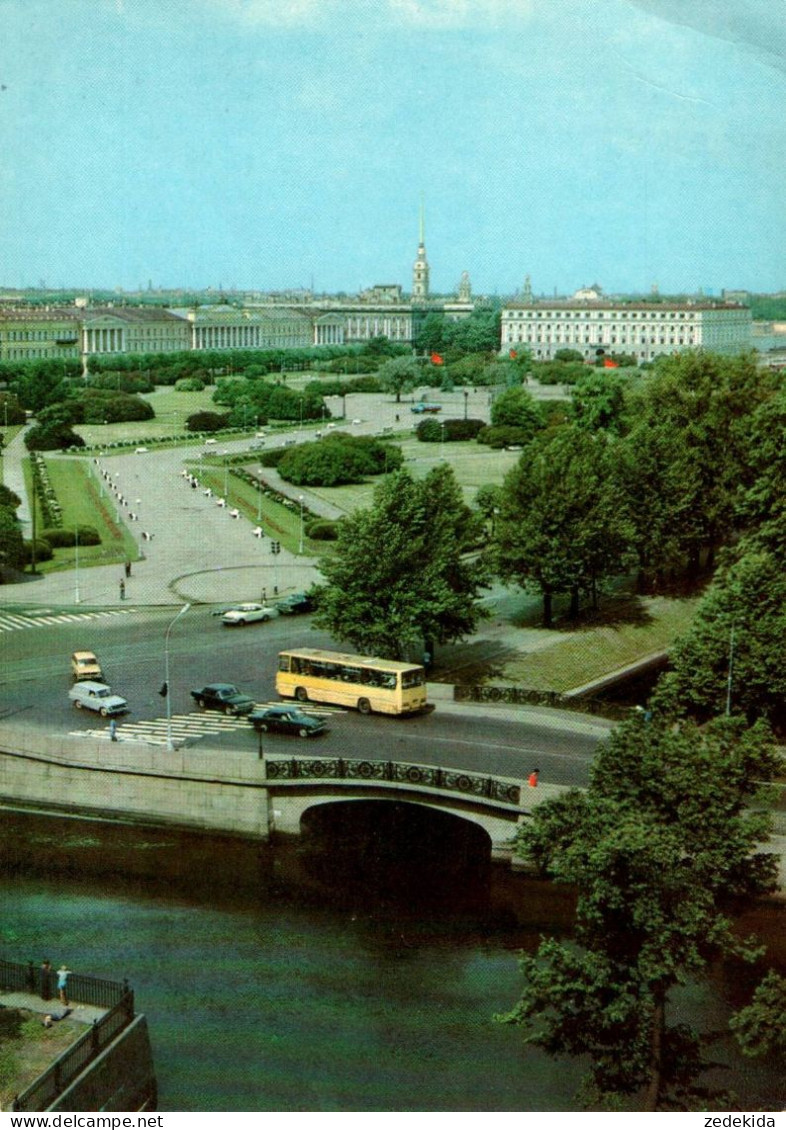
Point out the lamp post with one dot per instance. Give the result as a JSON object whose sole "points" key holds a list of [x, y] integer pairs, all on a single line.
{"points": [[76, 564], [169, 743], [259, 497], [442, 439], [226, 477], [300, 548], [466, 398]]}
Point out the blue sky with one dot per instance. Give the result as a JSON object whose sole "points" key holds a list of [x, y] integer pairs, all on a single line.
{"points": [[284, 143]]}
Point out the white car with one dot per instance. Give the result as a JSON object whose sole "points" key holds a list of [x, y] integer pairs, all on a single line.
{"points": [[97, 696], [243, 614]]}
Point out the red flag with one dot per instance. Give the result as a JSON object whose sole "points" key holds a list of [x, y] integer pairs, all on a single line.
{"points": [[436, 359], [609, 364], [513, 354]]}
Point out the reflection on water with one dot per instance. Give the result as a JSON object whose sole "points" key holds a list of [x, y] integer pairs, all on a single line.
{"points": [[299, 979]]}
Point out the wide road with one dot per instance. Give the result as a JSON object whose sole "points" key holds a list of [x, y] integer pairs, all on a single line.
{"points": [[35, 679]]}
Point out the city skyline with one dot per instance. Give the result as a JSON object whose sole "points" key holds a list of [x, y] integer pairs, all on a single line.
{"points": [[244, 144]]}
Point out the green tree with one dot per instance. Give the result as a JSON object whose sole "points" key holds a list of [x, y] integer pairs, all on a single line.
{"points": [[562, 527], [735, 650], [658, 849], [399, 374], [760, 1027], [397, 576], [598, 401], [516, 407]]}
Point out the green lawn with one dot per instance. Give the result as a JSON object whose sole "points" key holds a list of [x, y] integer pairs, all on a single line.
{"points": [[278, 521], [82, 504], [642, 627]]}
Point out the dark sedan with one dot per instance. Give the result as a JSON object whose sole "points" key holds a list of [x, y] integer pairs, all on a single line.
{"points": [[224, 697], [286, 720], [294, 603]]}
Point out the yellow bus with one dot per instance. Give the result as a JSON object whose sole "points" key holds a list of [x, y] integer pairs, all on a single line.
{"points": [[367, 684]]}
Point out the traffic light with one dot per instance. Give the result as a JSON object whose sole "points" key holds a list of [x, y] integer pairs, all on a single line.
{"points": [[275, 547]]}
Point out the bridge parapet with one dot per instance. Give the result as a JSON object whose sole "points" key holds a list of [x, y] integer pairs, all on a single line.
{"points": [[495, 791]]}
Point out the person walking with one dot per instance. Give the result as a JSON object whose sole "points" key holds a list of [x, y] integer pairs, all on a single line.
{"points": [[532, 780], [62, 983], [128, 567], [122, 589]]}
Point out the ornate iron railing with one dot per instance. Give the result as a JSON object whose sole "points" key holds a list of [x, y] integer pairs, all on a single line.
{"points": [[429, 776]]}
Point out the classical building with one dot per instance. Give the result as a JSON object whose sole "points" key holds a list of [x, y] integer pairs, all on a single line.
{"points": [[266, 327], [644, 329], [132, 329], [32, 334]]}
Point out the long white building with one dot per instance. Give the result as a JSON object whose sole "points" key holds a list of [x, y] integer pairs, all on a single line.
{"points": [[644, 329]]}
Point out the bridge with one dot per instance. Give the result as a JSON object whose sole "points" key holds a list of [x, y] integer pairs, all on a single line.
{"points": [[298, 784], [236, 792]]}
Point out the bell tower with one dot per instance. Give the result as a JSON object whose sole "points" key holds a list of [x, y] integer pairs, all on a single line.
{"points": [[420, 267]]}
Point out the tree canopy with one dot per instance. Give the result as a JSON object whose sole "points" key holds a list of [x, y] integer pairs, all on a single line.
{"points": [[658, 848], [397, 577]]}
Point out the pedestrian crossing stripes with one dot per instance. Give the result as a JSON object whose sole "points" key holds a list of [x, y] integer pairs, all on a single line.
{"points": [[206, 723], [15, 621]]}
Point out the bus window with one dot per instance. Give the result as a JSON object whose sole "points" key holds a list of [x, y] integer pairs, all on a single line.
{"points": [[414, 678], [283, 663]]}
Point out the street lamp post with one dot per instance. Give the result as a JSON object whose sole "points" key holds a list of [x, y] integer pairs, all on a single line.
{"points": [[466, 398], [259, 498], [300, 548], [169, 743], [442, 440], [226, 477], [76, 564]]}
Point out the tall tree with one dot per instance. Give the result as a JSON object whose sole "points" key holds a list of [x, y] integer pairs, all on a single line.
{"points": [[659, 849], [399, 374], [562, 527], [397, 577]]}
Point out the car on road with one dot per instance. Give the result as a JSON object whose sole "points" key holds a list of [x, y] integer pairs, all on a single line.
{"points": [[141, 451], [85, 665], [98, 697], [294, 603], [242, 614], [223, 696], [424, 407], [287, 720]]}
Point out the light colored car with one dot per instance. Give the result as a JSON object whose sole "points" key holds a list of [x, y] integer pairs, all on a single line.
{"points": [[243, 614], [97, 697], [85, 665], [141, 451]]}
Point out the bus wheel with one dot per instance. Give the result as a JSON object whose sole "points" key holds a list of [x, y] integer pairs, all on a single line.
{"points": [[364, 706], [301, 694]]}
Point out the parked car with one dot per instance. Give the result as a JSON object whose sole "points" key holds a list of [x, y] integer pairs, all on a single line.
{"points": [[424, 407], [85, 665], [223, 696], [98, 697], [287, 720], [294, 603], [247, 614]]}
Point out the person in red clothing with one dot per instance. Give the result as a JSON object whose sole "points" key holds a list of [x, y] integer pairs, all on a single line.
{"points": [[532, 780]]}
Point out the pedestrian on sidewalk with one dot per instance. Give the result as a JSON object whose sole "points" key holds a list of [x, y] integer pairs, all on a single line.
{"points": [[128, 568], [122, 589], [532, 780]]}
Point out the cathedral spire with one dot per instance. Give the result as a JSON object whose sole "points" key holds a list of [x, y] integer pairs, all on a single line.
{"points": [[420, 269]]}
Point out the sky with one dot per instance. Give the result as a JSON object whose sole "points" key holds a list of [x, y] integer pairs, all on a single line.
{"points": [[273, 144]]}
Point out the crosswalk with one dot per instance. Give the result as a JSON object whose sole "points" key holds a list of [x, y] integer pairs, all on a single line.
{"points": [[201, 724], [17, 621]]}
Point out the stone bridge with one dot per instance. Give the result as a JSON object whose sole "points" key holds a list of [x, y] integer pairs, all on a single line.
{"points": [[298, 784]]}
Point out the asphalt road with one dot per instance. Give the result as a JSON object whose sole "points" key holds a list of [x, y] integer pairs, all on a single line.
{"points": [[35, 679]]}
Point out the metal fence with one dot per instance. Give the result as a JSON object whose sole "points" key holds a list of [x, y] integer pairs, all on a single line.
{"points": [[430, 776], [117, 998], [523, 696]]}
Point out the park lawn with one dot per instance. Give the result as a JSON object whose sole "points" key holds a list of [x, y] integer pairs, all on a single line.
{"points": [[473, 464], [592, 652], [171, 409], [77, 491]]}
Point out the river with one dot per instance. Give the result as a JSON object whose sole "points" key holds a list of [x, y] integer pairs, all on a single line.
{"points": [[302, 979]]}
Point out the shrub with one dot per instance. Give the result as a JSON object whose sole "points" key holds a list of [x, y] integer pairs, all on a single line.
{"points": [[272, 458], [206, 421], [504, 436], [60, 537], [322, 530], [432, 431], [189, 384], [338, 459], [43, 550]]}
